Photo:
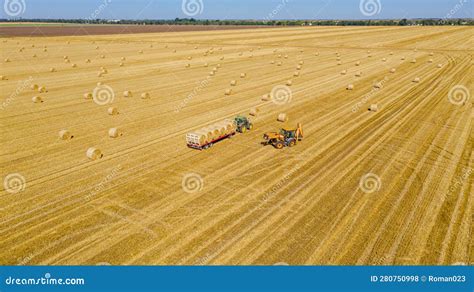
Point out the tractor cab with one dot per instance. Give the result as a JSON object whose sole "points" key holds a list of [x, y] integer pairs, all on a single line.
{"points": [[242, 124], [285, 138]]}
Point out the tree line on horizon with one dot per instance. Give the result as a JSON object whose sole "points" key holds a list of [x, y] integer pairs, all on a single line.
{"points": [[192, 21]]}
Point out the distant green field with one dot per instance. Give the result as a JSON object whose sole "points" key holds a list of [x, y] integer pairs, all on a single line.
{"points": [[12, 24]]}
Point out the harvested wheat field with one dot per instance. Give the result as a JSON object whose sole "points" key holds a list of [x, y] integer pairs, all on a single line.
{"points": [[96, 169]]}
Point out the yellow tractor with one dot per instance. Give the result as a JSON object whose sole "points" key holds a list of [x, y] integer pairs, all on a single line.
{"points": [[285, 138]]}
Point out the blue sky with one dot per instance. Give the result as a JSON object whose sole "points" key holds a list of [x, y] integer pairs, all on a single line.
{"points": [[238, 9]]}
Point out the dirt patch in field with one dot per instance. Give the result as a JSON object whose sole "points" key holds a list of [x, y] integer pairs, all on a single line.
{"points": [[75, 30]]}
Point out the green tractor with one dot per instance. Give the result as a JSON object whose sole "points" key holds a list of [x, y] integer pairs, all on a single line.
{"points": [[242, 124]]}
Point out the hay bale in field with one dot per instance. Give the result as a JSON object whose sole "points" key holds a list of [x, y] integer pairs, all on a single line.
{"points": [[369, 56], [272, 62], [97, 47], [251, 56], [384, 59], [286, 57], [373, 108], [88, 95], [339, 63], [298, 67], [350, 87], [74, 65], [206, 65], [121, 64], [212, 73], [289, 83], [140, 52], [378, 85], [45, 50], [145, 95], [228, 92], [279, 56], [100, 74], [52, 69], [190, 58], [338, 59], [34, 86], [265, 97], [188, 65], [2, 77], [393, 70], [402, 58], [42, 89], [88, 60], [67, 61], [301, 62], [416, 80], [391, 53], [65, 57], [243, 75], [221, 58], [94, 153], [253, 111], [357, 63], [233, 83], [37, 99], [112, 111], [368, 52], [296, 74], [430, 61], [102, 56], [358, 74], [122, 59], [282, 117], [240, 54], [413, 61], [316, 54], [343, 72], [7, 60], [440, 65], [279, 63], [114, 133], [214, 69], [65, 135], [218, 65], [34, 56], [127, 93]]}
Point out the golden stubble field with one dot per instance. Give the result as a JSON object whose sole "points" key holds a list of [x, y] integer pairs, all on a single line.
{"points": [[388, 187]]}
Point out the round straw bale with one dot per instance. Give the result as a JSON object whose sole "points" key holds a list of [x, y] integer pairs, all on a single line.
{"points": [[52, 69], [122, 59], [289, 83], [301, 62], [127, 93], [416, 80], [440, 65], [112, 111], [279, 56], [296, 74], [282, 117], [384, 60], [102, 56], [350, 87], [2, 77], [221, 58], [279, 64], [253, 111], [37, 99], [233, 83], [316, 54], [339, 63], [206, 64], [373, 108], [272, 62], [286, 56], [430, 61], [358, 74], [266, 97], [190, 58], [188, 65], [228, 92], [431, 54], [145, 95], [94, 153], [413, 61], [378, 85], [298, 67], [74, 65], [218, 65], [358, 63], [88, 95], [121, 64], [34, 86], [212, 73], [42, 89], [393, 70], [67, 61], [65, 135], [243, 75], [114, 133], [343, 72], [402, 58], [7, 60]]}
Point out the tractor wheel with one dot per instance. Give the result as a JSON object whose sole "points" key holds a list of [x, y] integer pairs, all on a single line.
{"points": [[250, 127], [292, 143], [279, 145]]}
